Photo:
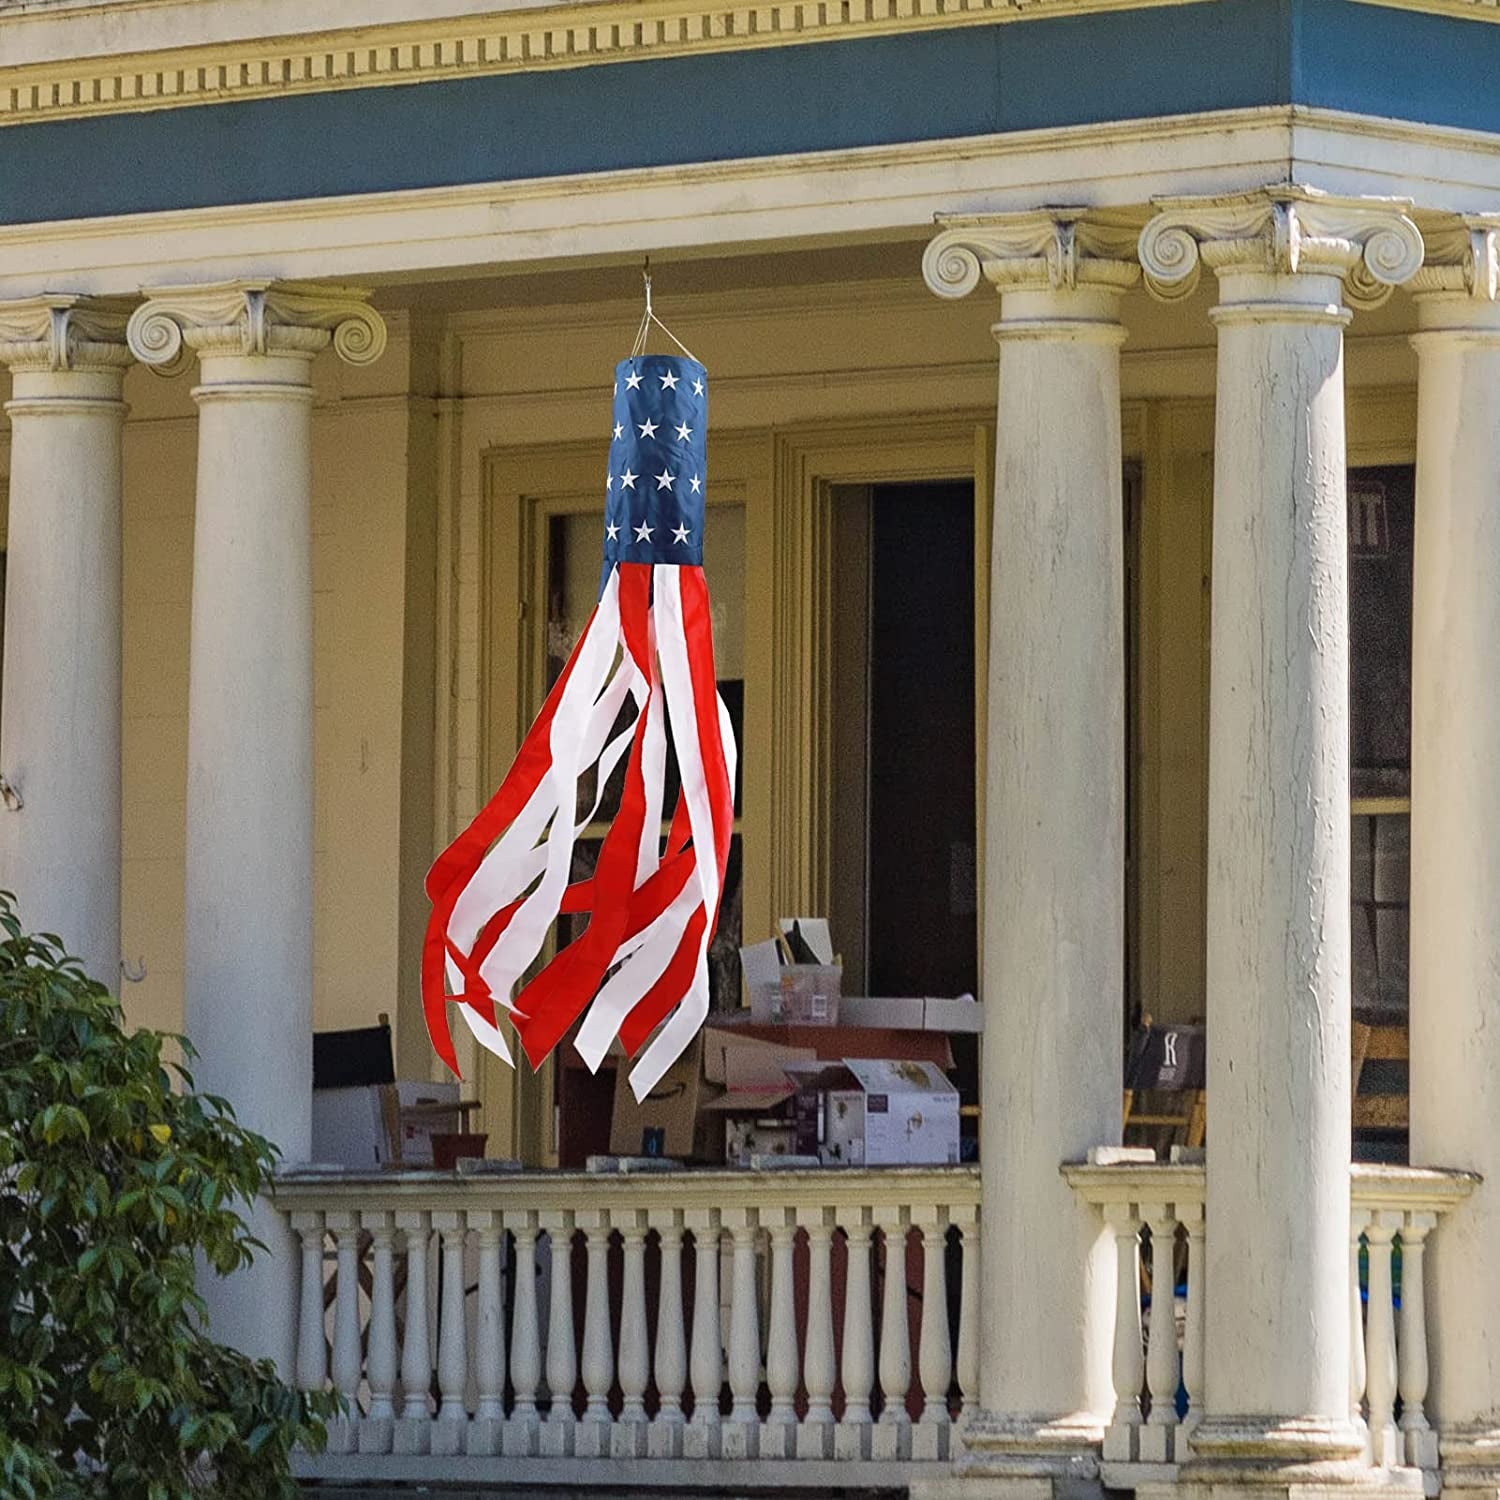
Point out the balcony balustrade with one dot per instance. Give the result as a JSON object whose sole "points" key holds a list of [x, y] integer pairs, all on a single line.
{"points": [[678, 1322], [821, 1325], [1157, 1213]]}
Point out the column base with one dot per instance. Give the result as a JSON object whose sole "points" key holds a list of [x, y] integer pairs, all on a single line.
{"points": [[1257, 1449], [1024, 1445], [963, 1483], [1470, 1458]]}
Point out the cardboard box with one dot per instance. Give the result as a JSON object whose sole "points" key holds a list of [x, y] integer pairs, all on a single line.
{"points": [[962, 1014], [898, 1014], [753, 1073], [348, 1128], [667, 1121], [884, 1112], [746, 1137]]}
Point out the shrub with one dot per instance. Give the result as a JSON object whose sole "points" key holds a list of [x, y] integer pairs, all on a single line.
{"points": [[112, 1182]]}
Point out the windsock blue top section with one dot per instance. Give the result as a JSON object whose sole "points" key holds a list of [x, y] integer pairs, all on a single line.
{"points": [[658, 472]]}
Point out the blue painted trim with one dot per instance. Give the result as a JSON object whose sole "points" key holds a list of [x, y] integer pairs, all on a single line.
{"points": [[917, 86], [1402, 64], [913, 87]]}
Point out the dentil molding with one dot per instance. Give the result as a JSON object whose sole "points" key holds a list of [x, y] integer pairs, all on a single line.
{"points": [[511, 40], [1372, 244], [53, 333], [255, 317]]}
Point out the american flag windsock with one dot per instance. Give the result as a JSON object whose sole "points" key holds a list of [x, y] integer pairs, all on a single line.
{"points": [[643, 669]]}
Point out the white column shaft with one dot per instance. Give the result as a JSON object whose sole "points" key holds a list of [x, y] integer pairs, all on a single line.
{"points": [[60, 716], [1054, 901], [1278, 884], [1455, 851], [247, 981]]}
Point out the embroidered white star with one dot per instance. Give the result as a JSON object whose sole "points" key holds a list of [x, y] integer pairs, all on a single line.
{"points": [[664, 480], [669, 381], [632, 382], [627, 480], [697, 484], [612, 531], [697, 387], [679, 533], [643, 532], [609, 483], [648, 428], [619, 432], [684, 432]]}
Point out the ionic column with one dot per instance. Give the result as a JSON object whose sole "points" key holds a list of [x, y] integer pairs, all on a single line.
{"points": [[247, 981], [1455, 827], [60, 718], [1276, 1381], [1052, 974]]}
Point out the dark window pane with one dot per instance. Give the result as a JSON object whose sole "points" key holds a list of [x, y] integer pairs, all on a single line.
{"points": [[1380, 591]]}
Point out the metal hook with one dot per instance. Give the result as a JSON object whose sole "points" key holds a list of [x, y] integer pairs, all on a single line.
{"points": [[646, 277], [133, 976], [9, 795]]}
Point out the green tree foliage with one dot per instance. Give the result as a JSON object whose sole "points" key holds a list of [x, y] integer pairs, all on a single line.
{"points": [[112, 1180]]}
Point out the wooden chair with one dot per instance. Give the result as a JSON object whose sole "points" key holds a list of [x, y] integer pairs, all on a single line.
{"points": [[1167, 1061]]}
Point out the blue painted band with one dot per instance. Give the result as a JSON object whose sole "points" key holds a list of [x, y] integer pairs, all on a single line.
{"points": [[912, 87]]}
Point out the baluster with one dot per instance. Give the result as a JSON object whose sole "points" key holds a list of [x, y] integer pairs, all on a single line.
{"points": [[628, 1438], [1156, 1438], [519, 1439], [1128, 1362], [1421, 1440], [892, 1436], [934, 1345], [741, 1433], [819, 1373], [489, 1335], [779, 1439], [376, 1431], [1380, 1342], [851, 1438], [968, 1322], [343, 1431], [312, 1342], [413, 1427], [1357, 1221], [556, 1436], [591, 1439], [664, 1439], [450, 1429], [706, 1360], [1192, 1339]]}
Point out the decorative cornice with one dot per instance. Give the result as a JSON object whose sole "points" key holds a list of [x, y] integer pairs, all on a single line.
{"points": [[1463, 257], [1370, 243], [255, 317], [1050, 249], [52, 333], [510, 40]]}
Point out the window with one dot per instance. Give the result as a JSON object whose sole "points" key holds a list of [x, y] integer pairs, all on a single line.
{"points": [[1381, 515]]}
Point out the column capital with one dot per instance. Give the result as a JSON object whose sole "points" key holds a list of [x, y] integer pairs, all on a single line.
{"points": [[1462, 257], [61, 331], [256, 317], [1049, 249], [1370, 244]]}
